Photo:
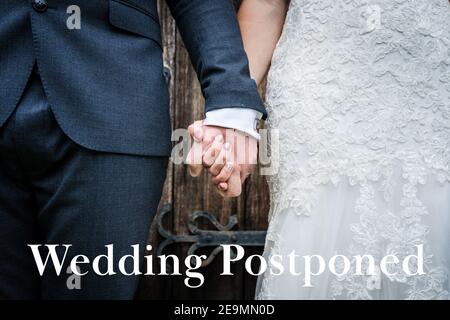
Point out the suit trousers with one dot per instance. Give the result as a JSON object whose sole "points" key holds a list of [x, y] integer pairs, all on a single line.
{"points": [[53, 191]]}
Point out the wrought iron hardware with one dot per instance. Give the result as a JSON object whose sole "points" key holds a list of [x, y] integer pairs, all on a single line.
{"points": [[207, 238], [167, 72]]}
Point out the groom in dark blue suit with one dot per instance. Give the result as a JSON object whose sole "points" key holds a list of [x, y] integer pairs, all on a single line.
{"points": [[85, 130]]}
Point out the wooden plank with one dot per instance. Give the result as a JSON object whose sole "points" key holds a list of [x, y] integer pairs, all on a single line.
{"points": [[188, 194], [160, 287], [191, 194]]}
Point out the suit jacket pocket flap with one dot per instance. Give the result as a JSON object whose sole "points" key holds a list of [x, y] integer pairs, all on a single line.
{"points": [[128, 17]]}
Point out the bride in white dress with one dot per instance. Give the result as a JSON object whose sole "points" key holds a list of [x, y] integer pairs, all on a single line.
{"points": [[360, 93]]}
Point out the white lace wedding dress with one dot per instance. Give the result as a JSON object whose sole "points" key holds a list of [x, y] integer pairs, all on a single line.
{"points": [[360, 93]]}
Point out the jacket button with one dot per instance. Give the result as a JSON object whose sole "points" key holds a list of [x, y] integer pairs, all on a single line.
{"points": [[40, 5]]}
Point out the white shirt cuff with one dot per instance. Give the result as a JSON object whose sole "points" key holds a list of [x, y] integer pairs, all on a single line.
{"points": [[242, 119]]}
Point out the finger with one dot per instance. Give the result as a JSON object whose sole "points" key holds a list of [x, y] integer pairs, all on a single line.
{"points": [[234, 185], [196, 130], [194, 159], [213, 151], [209, 136], [246, 170], [221, 160], [219, 163], [223, 186], [224, 174]]}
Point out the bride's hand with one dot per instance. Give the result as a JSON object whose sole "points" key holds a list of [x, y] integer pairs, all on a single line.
{"points": [[229, 162]]}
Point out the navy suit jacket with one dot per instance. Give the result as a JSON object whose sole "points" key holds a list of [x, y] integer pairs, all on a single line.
{"points": [[105, 82]]}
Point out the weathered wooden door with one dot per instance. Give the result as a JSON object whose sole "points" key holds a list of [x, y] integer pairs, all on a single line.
{"points": [[187, 195]]}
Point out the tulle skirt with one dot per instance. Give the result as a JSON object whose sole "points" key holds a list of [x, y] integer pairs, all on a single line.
{"points": [[353, 220]]}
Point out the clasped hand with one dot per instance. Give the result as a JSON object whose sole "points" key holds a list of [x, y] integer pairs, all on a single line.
{"points": [[229, 156]]}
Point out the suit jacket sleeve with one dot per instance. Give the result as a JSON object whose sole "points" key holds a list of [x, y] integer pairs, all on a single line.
{"points": [[212, 37]]}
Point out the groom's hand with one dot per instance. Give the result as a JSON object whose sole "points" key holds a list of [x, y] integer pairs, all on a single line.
{"points": [[228, 154]]}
